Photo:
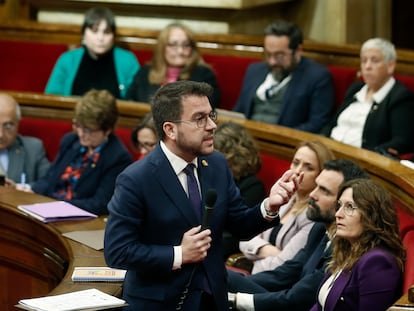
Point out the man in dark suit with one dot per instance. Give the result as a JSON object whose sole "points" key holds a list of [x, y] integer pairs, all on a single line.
{"points": [[153, 229], [22, 158], [287, 89], [293, 285]]}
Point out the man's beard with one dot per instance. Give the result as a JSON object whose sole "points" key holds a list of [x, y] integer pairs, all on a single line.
{"points": [[315, 213]]}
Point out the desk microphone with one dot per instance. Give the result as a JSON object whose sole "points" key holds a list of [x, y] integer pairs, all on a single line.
{"points": [[211, 198]]}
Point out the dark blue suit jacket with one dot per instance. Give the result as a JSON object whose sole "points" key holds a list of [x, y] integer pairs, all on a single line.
{"points": [[96, 185], [148, 215], [309, 99], [293, 285], [373, 284], [389, 124]]}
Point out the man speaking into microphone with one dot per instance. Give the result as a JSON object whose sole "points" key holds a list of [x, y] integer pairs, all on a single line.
{"points": [[154, 226]]}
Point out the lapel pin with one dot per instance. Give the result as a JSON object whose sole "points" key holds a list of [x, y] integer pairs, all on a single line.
{"points": [[204, 163]]}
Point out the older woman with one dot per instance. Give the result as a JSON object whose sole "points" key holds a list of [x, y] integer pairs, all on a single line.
{"points": [[377, 113], [176, 57], [90, 159], [365, 272], [97, 64], [281, 243]]}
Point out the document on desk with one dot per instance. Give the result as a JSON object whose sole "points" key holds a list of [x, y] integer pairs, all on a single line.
{"points": [[89, 299], [55, 211], [91, 238]]}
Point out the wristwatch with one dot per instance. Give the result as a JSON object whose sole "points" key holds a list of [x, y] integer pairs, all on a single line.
{"points": [[270, 213]]}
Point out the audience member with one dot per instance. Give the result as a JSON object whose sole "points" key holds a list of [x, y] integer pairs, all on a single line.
{"points": [[90, 159], [376, 113], [287, 89], [176, 57], [153, 228], [293, 286], [276, 245], [22, 158], [243, 158], [144, 136], [365, 272], [97, 64]]}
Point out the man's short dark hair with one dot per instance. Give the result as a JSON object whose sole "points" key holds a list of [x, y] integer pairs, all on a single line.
{"points": [[349, 169], [285, 28], [167, 101]]}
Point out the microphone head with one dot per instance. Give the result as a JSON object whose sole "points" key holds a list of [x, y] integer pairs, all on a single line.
{"points": [[211, 197]]}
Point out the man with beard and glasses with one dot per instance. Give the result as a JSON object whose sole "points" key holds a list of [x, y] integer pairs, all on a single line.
{"points": [[287, 89], [293, 285]]}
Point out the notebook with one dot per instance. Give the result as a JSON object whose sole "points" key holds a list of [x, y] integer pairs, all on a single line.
{"points": [[55, 211], [97, 274]]}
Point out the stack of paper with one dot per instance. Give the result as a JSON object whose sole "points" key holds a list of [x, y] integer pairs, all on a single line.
{"points": [[55, 211], [97, 274], [89, 299]]}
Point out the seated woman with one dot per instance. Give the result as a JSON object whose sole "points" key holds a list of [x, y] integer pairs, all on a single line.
{"points": [[242, 155], [365, 272], [144, 136], [377, 114], [273, 247], [176, 57], [97, 64], [90, 159]]}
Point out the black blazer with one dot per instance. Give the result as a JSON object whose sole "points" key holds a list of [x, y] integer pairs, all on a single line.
{"points": [[390, 124], [292, 286]]}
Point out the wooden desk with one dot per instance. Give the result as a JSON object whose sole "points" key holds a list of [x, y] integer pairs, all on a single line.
{"points": [[402, 304], [35, 259]]}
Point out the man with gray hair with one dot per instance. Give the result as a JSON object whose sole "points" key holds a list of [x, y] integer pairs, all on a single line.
{"points": [[22, 159]]}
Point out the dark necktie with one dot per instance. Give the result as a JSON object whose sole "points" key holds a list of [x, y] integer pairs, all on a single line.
{"points": [[193, 192]]}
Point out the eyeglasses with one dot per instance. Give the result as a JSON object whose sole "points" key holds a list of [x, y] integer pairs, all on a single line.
{"points": [[85, 130], [8, 126], [200, 121], [176, 45], [279, 56], [348, 207]]}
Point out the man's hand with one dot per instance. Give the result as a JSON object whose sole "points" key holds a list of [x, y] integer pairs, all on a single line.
{"points": [[195, 244], [283, 190]]}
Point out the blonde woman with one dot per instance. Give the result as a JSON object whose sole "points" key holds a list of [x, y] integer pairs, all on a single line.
{"points": [[176, 57], [276, 245]]}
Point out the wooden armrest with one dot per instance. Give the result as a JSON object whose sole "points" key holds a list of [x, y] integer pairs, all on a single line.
{"points": [[240, 261]]}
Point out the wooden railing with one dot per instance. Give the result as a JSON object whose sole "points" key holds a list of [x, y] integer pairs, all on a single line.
{"points": [[273, 140], [234, 44]]}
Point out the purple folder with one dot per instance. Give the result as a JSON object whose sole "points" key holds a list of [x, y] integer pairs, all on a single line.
{"points": [[55, 211]]}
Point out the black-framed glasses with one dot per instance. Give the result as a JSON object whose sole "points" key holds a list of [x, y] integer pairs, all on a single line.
{"points": [[201, 120], [279, 56], [348, 207]]}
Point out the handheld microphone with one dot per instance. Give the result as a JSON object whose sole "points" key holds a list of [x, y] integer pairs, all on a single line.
{"points": [[211, 198]]}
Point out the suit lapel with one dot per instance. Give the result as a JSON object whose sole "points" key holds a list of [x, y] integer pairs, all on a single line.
{"points": [[171, 186], [16, 162], [336, 291]]}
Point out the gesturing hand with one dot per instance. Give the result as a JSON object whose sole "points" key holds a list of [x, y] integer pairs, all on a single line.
{"points": [[195, 244], [283, 190]]}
